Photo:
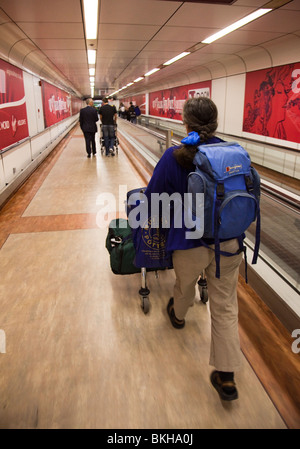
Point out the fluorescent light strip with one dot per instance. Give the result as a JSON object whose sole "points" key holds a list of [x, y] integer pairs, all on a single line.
{"points": [[138, 79], [236, 25], [92, 71], [91, 56], [151, 71], [182, 55], [91, 18]]}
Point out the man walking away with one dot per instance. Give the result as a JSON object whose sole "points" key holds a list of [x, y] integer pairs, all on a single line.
{"points": [[132, 113], [108, 116], [88, 117]]}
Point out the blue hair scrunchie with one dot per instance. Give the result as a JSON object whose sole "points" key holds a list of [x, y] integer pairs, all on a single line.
{"points": [[192, 138]]}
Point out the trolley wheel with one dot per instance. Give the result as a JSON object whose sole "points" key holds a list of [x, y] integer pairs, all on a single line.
{"points": [[145, 304], [204, 295], [202, 285]]}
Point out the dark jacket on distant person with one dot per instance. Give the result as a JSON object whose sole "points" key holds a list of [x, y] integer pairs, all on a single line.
{"points": [[88, 117]]}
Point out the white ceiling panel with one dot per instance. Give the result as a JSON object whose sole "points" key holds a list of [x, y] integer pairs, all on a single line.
{"points": [[121, 45], [134, 36], [136, 12], [112, 63], [60, 44], [73, 56], [131, 32], [42, 10], [227, 49], [247, 37], [280, 21], [178, 34], [61, 30], [217, 16], [294, 5], [173, 46], [116, 55]]}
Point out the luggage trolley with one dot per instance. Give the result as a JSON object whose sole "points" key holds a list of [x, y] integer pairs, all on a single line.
{"points": [[116, 141], [202, 286], [144, 291]]}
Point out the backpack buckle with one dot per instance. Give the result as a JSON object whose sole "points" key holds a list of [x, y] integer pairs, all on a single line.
{"points": [[249, 183]]}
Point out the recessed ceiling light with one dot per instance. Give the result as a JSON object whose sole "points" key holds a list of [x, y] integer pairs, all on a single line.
{"points": [[182, 55], [236, 25], [92, 56], [151, 71], [91, 18]]}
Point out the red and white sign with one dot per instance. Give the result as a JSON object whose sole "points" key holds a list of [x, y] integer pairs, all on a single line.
{"points": [[57, 104], [272, 102], [137, 100], [13, 115], [169, 103]]}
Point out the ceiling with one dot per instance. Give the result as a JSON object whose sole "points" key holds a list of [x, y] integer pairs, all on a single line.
{"points": [[134, 36]]}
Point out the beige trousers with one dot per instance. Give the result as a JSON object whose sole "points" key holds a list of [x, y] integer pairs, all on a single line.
{"points": [[225, 353]]}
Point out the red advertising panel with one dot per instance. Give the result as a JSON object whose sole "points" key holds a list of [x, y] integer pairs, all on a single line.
{"points": [[169, 103], [77, 104], [137, 100], [57, 104], [272, 102], [13, 115]]}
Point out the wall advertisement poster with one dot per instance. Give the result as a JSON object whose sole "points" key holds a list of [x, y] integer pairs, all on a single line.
{"points": [[56, 103], [13, 114], [272, 102]]}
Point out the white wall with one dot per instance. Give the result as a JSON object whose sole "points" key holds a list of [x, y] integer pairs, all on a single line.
{"points": [[34, 104], [218, 95], [234, 104], [39, 116], [30, 103], [15, 161]]}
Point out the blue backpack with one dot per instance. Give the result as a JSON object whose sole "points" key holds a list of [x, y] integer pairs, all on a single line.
{"points": [[231, 188]]}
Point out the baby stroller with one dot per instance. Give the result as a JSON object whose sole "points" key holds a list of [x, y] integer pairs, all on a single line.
{"points": [[116, 141]]}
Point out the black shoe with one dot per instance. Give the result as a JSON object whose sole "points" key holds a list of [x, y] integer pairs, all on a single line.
{"points": [[94, 154], [88, 155], [226, 389], [178, 324]]}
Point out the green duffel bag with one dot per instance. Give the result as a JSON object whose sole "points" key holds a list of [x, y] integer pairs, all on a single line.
{"points": [[120, 247]]}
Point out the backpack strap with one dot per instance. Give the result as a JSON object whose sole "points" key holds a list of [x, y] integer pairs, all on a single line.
{"points": [[218, 253], [220, 193], [257, 236], [250, 189]]}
